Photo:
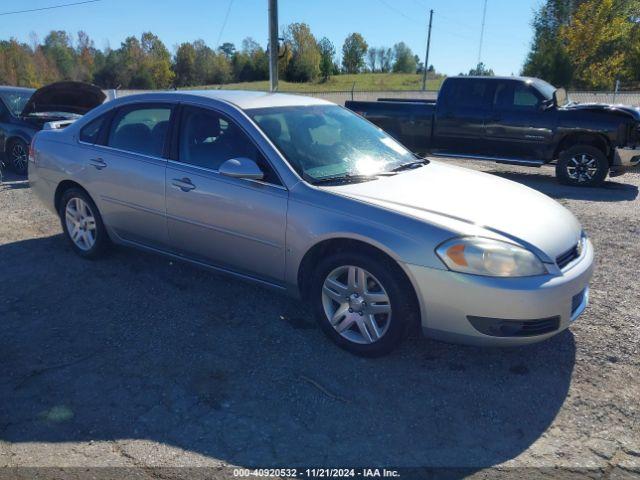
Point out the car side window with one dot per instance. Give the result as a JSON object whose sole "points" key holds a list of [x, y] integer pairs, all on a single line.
{"points": [[140, 130], [207, 139], [91, 131]]}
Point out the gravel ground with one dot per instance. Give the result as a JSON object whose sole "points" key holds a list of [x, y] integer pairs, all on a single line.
{"points": [[139, 361]]}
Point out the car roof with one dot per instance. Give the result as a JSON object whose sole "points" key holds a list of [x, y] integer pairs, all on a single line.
{"points": [[10, 89], [478, 77], [242, 99]]}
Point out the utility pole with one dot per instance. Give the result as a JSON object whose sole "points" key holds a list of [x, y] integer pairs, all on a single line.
{"points": [[426, 59], [273, 45], [484, 17]]}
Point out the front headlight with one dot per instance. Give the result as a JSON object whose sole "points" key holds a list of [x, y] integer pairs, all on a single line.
{"points": [[492, 258]]}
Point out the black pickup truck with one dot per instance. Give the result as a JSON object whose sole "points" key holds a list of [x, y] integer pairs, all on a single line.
{"points": [[515, 120]]}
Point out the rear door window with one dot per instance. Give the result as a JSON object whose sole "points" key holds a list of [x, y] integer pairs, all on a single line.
{"points": [[140, 130], [91, 132]]}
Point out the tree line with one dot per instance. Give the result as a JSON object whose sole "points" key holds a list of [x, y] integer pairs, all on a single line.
{"points": [[146, 63], [586, 44]]}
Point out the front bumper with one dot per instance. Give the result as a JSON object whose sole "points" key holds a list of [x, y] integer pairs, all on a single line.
{"points": [[447, 300], [625, 158]]}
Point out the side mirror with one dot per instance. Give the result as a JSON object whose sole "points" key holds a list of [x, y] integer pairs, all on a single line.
{"points": [[241, 168], [560, 97], [546, 105]]}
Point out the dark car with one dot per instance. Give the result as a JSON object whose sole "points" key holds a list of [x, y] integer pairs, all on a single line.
{"points": [[517, 120], [24, 111]]}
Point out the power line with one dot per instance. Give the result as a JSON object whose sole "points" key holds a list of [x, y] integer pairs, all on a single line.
{"points": [[49, 8], [399, 12], [446, 32], [454, 34], [224, 23], [458, 23]]}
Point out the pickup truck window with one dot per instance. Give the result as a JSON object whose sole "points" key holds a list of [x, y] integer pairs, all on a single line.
{"points": [[328, 141], [466, 94], [516, 96]]}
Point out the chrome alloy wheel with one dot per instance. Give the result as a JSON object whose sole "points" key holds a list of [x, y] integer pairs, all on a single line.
{"points": [[582, 167], [81, 224], [19, 156], [356, 304]]}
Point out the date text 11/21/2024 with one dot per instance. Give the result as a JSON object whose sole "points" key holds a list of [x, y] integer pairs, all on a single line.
{"points": [[317, 473]]}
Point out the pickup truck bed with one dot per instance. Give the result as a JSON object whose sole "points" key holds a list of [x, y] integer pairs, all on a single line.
{"points": [[409, 121]]}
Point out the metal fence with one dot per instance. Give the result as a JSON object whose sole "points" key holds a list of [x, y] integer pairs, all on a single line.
{"points": [[629, 98]]}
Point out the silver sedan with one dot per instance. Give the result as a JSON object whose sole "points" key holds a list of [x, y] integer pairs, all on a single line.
{"points": [[306, 197]]}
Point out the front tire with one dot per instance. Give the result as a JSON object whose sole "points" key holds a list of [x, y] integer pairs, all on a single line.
{"points": [[583, 166], [18, 156], [82, 224], [362, 303]]}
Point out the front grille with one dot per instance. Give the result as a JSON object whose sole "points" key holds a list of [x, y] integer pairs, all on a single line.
{"points": [[567, 257], [497, 327]]}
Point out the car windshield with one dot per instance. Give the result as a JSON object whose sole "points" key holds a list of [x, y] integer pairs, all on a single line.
{"points": [[15, 101], [327, 141]]}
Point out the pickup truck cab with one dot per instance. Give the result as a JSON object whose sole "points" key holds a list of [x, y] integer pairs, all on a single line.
{"points": [[516, 120]]}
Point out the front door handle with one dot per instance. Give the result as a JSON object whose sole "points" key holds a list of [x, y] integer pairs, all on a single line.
{"points": [[98, 163], [183, 184]]}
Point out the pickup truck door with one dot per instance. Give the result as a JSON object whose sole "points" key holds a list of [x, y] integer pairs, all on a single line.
{"points": [[519, 127], [461, 112]]}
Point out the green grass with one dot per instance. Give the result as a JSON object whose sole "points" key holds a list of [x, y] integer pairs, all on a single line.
{"points": [[338, 83]]}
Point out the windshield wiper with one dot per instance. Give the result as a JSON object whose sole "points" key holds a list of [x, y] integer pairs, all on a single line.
{"points": [[342, 179], [411, 165]]}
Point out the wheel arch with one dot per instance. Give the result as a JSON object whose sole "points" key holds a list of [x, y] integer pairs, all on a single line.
{"points": [[596, 140], [341, 244], [12, 137], [62, 187]]}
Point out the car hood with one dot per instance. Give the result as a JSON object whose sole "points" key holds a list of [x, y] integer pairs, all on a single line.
{"points": [[68, 97], [459, 198], [626, 110]]}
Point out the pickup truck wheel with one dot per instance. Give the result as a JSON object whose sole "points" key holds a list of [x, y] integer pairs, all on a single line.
{"points": [[582, 165], [361, 303], [17, 155]]}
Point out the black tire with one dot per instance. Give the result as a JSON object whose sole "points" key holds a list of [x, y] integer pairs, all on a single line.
{"points": [[571, 168], [404, 310], [17, 153], [101, 236]]}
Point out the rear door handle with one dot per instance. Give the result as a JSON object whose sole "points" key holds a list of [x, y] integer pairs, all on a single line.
{"points": [[98, 163], [183, 184]]}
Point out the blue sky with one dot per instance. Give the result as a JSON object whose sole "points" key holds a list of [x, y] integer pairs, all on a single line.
{"points": [[455, 37]]}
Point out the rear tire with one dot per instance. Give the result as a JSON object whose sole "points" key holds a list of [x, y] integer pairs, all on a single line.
{"points": [[82, 224], [17, 153], [369, 320], [583, 166]]}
